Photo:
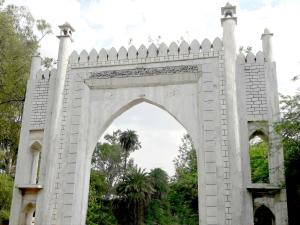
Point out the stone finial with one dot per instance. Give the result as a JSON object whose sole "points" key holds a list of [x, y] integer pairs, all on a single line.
{"points": [[66, 30], [228, 10], [266, 38], [266, 32]]}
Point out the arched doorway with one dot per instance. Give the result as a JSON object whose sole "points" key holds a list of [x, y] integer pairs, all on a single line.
{"points": [[160, 136], [264, 216]]}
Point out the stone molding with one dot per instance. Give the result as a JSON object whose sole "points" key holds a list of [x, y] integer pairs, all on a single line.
{"points": [[140, 72]]}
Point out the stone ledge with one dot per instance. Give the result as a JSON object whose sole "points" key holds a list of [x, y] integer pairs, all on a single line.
{"points": [[30, 188], [263, 188]]}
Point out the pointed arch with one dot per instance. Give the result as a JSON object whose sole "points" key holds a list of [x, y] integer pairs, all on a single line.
{"points": [[264, 216], [131, 104]]}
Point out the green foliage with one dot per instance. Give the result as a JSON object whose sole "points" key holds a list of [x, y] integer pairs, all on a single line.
{"points": [[129, 142], [259, 162], [99, 208], [158, 210], [107, 160], [17, 43], [183, 195], [135, 191], [6, 184], [108, 163], [47, 62], [289, 130], [44, 28]]}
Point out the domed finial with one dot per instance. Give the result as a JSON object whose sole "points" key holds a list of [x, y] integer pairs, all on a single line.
{"points": [[228, 10], [267, 31], [66, 30], [228, 5]]}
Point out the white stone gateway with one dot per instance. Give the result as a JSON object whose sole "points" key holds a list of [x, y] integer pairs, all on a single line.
{"points": [[221, 98]]}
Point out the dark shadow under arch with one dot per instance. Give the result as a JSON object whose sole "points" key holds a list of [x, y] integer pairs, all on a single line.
{"points": [[260, 133], [264, 216]]}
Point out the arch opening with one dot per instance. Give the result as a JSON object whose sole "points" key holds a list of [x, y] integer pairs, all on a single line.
{"points": [[158, 132], [35, 149], [259, 151], [29, 212], [264, 216]]}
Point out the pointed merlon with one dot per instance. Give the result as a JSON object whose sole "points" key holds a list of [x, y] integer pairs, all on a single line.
{"points": [[217, 44], [241, 58], [102, 55], [93, 57], [122, 53], [112, 54], [250, 58], [195, 47], [142, 52], [163, 50], [132, 52], [260, 58], [152, 51], [74, 57], [184, 48], [83, 57], [206, 45], [173, 49]]}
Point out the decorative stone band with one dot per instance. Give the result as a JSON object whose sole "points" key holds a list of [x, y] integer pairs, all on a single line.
{"points": [[140, 72]]}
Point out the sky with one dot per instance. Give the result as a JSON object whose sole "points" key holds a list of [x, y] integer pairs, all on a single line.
{"points": [[113, 23]]}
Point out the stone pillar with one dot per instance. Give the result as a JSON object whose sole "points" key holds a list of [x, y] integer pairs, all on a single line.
{"points": [[45, 204], [65, 39], [36, 62], [235, 212], [35, 165], [276, 159], [267, 47]]}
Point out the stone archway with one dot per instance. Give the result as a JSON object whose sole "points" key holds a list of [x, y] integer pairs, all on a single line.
{"points": [[206, 87]]}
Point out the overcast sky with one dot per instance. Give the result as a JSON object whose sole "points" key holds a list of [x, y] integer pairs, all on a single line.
{"points": [[112, 23]]}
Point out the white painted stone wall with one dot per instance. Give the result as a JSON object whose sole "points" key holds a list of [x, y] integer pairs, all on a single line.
{"points": [[215, 94]]}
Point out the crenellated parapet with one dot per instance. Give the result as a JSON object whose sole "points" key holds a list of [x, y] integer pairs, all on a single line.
{"points": [[250, 58], [45, 74], [151, 54]]}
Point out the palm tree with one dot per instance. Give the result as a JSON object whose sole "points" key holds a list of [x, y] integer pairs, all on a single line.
{"points": [[159, 179], [135, 190], [129, 142]]}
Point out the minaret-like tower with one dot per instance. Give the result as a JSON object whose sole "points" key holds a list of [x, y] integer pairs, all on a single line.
{"points": [[267, 45], [53, 128], [229, 22]]}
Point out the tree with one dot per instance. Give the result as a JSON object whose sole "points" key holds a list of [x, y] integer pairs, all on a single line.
{"points": [[107, 161], [6, 184], [158, 210], [99, 208], [289, 130], [135, 192], [183, 195], [259, 162], [129, 143], [17, 43]]}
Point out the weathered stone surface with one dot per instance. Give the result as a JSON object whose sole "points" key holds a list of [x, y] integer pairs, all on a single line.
{"points": [[220, 98], [138, 72]]}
